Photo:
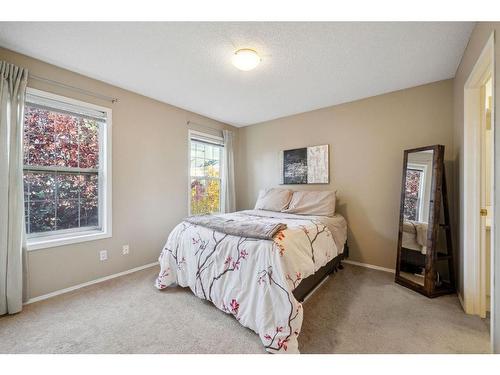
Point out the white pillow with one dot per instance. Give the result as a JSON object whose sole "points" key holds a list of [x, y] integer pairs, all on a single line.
{"points": [[320, 203], [273, 199]]}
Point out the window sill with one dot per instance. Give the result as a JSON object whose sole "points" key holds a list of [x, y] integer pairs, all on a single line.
{"points": [[66, 239]]}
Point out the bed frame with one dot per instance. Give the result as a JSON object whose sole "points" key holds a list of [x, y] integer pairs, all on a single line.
{"points": [[310, 283]]}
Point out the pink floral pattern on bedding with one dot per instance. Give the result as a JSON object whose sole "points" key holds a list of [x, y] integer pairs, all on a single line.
{"points": [[251, 279]]}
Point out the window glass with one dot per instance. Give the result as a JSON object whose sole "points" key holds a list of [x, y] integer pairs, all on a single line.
{"points": [[413, 189], [61, 169], [205, 182]]}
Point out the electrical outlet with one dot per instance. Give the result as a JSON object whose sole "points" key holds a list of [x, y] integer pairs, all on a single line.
{"points": [[103, 255], [125, 249]]}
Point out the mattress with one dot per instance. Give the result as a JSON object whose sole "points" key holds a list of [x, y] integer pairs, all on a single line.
{"points": [[410, 242], [415, 236]]}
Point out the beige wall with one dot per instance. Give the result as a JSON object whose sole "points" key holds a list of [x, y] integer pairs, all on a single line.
{"points": [[150, 169], [366, 139]]}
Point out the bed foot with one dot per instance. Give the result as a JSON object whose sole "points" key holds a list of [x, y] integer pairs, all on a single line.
{"points": [[336, 268]]}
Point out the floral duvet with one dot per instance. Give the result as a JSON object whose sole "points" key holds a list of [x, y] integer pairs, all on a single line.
{"points": [[251, 279]]}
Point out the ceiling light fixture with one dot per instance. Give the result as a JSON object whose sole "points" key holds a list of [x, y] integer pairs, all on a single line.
{"points": [[246, 59]]}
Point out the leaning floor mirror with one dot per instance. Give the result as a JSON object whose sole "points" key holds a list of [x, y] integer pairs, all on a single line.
{"points": [[425, 254]]}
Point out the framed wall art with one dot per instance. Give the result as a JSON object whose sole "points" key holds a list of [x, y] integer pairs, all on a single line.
{"points": [[306, 165]]}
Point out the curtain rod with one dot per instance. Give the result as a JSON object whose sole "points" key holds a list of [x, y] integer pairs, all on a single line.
{"points": [[73, 88]]}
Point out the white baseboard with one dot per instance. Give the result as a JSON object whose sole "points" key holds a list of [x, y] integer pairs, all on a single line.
{"points": [[366, 265], [96, 281]]}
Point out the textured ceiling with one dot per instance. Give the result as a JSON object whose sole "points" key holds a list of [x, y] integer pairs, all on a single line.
{"points": [[304, 66]]}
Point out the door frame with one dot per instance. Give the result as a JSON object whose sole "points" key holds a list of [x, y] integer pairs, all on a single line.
{"points": [[473, 259]]}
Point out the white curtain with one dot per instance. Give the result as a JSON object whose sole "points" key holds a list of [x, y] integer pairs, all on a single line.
{"points": [[13, 82], [228, 181]]}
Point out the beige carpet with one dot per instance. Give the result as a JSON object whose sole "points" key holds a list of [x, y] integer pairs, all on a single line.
{"points": [[356, 311]]}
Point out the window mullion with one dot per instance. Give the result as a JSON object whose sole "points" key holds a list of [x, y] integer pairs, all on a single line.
{"points": [[56, 199], [29, 206], [55, 181], [78, 135], [55, 168], [79, 206], [26, 134], [78, 140]]}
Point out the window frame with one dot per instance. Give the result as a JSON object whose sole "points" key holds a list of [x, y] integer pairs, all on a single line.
{"points": [[62, 237], [217, 140]]}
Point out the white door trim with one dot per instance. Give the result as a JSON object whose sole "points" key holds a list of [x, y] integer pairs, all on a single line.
{"points": [[470, 219]]}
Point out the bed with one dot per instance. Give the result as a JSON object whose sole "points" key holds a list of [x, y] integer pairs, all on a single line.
{"points": [[415, 236], [413, 250], [261, 282]]}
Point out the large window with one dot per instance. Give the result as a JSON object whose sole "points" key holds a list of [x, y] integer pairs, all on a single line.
{"points": [[205, 173], [65, 170]]}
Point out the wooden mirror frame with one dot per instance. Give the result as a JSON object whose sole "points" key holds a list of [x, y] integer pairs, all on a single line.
{"points": [[438, 196]]}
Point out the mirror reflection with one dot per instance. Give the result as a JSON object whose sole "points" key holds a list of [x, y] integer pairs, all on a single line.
{"points": [[417, 202]]}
